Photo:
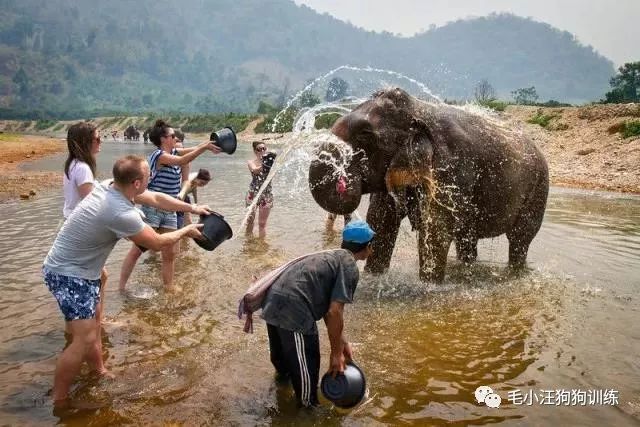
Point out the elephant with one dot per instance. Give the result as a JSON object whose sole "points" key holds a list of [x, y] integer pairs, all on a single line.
{"points": [[455, 174], [131, 133]]}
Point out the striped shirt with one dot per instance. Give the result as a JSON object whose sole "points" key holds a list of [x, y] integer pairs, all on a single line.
{"points": [[166, 179]]}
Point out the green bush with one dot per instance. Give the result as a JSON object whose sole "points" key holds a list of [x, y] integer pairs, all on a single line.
{"points": [[494, 104], [44, 124], [285, 122], [542, 119], [325, 121], [631, 128], [211, 122], [58, 127]]}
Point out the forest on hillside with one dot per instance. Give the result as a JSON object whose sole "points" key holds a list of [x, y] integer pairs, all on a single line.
{"points": [[67, 59]]}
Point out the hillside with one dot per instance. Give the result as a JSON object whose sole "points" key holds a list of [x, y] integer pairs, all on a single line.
{"points": [[69, 59]]}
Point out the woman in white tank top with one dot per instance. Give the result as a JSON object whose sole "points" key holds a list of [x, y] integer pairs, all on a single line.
{"points": [[83, 142]]}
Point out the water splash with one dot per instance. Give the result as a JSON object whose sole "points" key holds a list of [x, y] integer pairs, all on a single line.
{"points": [[423, 87], [304, 137]]}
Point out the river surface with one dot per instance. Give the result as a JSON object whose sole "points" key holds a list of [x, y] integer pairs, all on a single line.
{"points": [[571, 323]]}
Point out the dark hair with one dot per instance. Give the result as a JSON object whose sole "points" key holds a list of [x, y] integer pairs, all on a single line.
{"points": [[158, 131], [256, 143], [354, 247], [179, 134], [79, 140], [127, 169], [204, 175]]}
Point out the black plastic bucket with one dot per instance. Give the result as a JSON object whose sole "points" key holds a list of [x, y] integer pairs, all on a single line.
{"points": [[345, 390], [215, 231], [225, 138]]}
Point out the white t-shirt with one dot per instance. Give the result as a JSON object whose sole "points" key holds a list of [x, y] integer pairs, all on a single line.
{"points": [[79, 174]]}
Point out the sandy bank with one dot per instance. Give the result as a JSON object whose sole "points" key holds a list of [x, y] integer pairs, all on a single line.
{"points": [[16, 149]]}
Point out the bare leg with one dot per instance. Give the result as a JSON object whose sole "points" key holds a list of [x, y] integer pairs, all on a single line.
{"points": [[127, 266], [169, 264], [94, 358], [263, 215], [69, 363], [331, 219]]}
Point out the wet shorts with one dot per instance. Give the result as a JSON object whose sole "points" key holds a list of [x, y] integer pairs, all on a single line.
{"points": [[77, 298], [158, 218]]}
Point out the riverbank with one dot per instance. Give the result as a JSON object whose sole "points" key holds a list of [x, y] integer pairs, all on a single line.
{"points": [[16, 149], [582, 146]]}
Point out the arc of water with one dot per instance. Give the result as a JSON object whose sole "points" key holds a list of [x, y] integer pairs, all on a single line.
{"points": [[396, 74]]}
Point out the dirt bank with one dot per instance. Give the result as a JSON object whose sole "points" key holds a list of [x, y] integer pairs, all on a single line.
{"points": [[581, 144], [15, 149]]}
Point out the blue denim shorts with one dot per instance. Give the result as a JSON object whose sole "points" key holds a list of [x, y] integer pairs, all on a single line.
{"points": [[158, 218], [77, 298]]}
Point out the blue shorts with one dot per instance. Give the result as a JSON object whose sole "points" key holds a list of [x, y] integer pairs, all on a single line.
{"points": [[158, 218], [77, 298]]}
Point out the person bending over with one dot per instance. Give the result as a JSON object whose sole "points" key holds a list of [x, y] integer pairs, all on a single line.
{"points": [[74, 263]]}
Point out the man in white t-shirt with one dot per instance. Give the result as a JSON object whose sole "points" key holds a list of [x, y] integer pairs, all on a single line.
{"points": [[74, 262]]}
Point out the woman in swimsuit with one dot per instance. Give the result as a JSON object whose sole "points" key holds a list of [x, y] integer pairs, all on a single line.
{"points": [[259, 167]]}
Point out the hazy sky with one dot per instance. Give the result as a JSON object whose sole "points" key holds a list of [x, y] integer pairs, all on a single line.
{"points": [[612, 27]]}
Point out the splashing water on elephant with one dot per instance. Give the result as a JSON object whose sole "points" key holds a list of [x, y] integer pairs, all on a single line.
{"points": [[305, 138]]}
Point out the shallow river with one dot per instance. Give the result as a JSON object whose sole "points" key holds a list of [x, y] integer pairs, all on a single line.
{"points": [[571, 323]]}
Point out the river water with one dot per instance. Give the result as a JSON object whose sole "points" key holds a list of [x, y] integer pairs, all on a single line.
{"points": [[571, 323]]}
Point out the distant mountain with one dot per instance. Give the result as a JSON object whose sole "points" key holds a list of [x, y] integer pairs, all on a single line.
{"points": [[67, 58]]}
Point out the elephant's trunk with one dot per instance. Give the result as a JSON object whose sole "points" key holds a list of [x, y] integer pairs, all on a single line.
{"points": [[335, 186]]}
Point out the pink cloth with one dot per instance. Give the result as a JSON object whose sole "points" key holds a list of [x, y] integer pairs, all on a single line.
{"points": [[252, 299]]}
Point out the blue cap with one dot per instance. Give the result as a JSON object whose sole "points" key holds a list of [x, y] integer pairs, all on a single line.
{"points": [[357, 231]]}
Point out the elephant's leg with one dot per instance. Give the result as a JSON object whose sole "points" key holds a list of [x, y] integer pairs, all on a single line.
{"points": [[467, 249], [526, 226], [383, 218], [433, 248], [434, 239]]}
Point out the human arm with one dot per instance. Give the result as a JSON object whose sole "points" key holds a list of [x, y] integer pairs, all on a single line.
{"points": [[148, 238], [255, 170], [170, 159], [340, 349], [168, 203], [85, 189], [186, 187]]}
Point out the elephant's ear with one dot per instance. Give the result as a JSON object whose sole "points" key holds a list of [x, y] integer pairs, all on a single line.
{"points": [[411, 165]]}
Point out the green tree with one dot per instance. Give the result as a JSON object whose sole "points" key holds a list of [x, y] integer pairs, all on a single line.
{"points": [[625, 84], [22, 81], [525, 95], [336, 90], [309, 99]]}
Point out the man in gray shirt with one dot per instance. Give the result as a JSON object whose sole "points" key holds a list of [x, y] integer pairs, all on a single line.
{"points": [[316, 287], [74, 262]]}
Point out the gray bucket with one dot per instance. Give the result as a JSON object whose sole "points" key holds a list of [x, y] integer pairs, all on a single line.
{"points": [[225, 138]]}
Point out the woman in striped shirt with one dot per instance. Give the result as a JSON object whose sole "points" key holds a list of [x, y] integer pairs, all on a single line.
{"points": [[165, 164]]}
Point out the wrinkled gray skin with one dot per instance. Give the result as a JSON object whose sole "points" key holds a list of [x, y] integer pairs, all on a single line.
{"points": [[456, 175]]}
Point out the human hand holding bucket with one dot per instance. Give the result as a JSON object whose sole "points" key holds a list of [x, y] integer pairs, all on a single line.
{"points": [[215, 230], [225, 138]]}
